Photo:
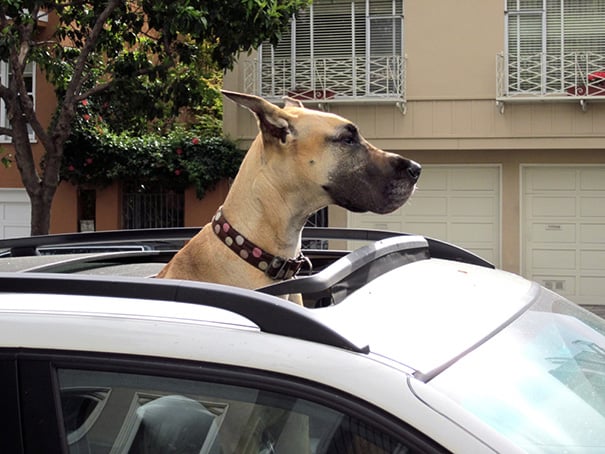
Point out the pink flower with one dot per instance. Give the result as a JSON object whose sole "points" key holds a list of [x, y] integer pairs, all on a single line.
{"points": [[85, 102], [179, 151], [71, 168], [86, 117], [89, 160], [195, 141], [177, 172]]}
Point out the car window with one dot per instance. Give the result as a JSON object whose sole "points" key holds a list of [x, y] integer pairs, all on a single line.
{"points": [[106, 412], [540, 381]]}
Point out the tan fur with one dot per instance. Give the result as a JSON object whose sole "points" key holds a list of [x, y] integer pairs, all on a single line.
{"points": [[295, 166]]}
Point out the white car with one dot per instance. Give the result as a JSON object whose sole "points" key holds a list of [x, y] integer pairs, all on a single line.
{"points": [[397, 351]]}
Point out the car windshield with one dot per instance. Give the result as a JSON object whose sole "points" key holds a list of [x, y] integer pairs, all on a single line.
{"points": [[540, 381]]}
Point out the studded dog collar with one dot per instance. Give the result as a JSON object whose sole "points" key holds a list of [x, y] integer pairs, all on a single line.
{"points": [[277, 268]]}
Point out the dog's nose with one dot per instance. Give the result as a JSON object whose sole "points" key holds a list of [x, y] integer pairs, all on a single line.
{"points": [[414, 170]]}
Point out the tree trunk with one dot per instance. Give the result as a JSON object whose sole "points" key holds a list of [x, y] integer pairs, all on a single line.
{"points": [[41, 203], [40, 183]]}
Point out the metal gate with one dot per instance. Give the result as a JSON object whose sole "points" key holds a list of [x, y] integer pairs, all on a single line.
{"points": [[152, 207]]}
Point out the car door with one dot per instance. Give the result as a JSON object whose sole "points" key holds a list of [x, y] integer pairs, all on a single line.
{"points": [[99, 403]]}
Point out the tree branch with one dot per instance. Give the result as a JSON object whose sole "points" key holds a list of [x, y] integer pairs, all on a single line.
{"points": [[76, 82], [105, 86]]}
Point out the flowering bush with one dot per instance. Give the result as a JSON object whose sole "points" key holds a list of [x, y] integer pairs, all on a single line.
{"points": [[184, 157]]}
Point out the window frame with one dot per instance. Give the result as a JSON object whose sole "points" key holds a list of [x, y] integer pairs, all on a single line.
{"points": [[41, 417], [327, 71], [4, 80]]}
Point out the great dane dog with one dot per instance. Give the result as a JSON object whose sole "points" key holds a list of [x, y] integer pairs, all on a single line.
{"points": [[302, 160]]}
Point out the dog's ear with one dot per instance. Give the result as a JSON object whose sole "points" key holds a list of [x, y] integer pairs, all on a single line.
{"points": [[291, 102], [273, 121]]}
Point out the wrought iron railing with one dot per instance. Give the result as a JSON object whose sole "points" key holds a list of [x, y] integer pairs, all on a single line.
{"points": [[543, 75], [328, 79]]}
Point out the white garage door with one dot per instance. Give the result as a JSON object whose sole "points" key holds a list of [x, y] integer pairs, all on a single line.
{"points": [[563, 230], [14, 213], [457, 204]]}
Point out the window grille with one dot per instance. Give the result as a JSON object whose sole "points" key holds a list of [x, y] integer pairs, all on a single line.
{"points": [[554, 47], [146, 207], [30, 82], [338, 49]]}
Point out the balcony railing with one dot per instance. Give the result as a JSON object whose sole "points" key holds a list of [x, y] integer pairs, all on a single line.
{"points": [[326, 80], [542, 76]]}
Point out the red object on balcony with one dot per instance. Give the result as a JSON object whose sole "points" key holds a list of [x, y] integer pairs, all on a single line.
{"points": [[596, 86], [306, 95]]}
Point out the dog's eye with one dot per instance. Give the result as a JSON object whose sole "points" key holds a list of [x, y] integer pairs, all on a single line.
{"points": [[349, 140], [349, 136]]}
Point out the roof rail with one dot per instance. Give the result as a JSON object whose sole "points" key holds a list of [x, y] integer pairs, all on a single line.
{"points": [[30, 245], [438, 249], [27, 246], [354, 270], [271, 314]]}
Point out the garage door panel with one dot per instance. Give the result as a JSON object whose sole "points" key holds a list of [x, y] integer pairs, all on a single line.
{"points": [[592, 287], [421, 205], [433, 180], [472, 206], [592, 207], [592, 233], [472, 232], [563, 285], [554, 233], [592, 180], [555, 259], [15, 213], [592, 260], [15, 231], [550, 179], [474, 179], [553, 207]]}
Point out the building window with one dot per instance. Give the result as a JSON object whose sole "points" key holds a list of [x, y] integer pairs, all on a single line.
{"points": [[30, 82], [336, 49], [554, 47]]}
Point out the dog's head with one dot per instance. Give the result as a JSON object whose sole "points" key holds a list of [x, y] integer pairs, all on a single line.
{"points": [[335, 164]]}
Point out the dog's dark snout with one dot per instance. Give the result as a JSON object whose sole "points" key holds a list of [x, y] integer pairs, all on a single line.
{"points": [[412, 168]]}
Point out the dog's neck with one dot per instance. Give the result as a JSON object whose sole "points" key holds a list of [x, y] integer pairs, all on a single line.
{"points": [[274, 224]]}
